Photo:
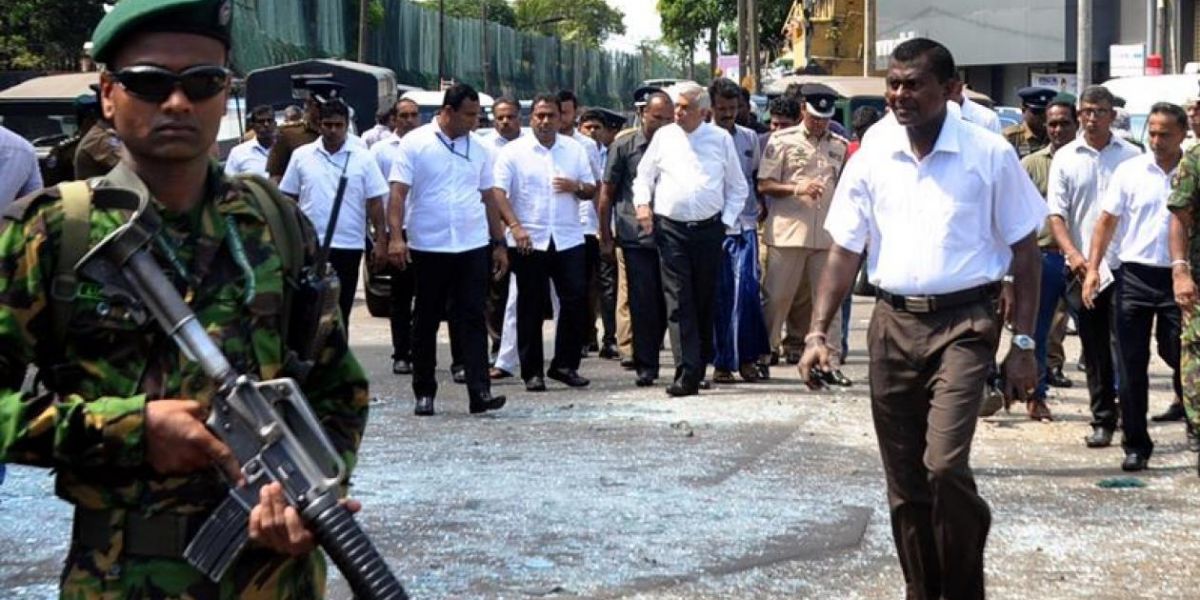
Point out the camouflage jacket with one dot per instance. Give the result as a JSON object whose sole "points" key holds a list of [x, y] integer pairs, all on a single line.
{"points": [[1185, 197], [88, 425]]}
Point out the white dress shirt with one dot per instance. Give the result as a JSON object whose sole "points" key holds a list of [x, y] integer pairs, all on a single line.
{"points": [[939, 224], [587, 210], [525, 169], [312, 175], [375, 135], [692, 176], [1137, 195], [980, 115], [1078, 179], [446, 177], [247, 157], [19, 172]]}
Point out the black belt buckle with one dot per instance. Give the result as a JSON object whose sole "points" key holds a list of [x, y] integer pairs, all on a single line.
{"points": [[919, 304]]}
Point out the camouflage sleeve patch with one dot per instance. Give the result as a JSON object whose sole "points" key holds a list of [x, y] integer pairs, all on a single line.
{"points": [[1184, 183]]}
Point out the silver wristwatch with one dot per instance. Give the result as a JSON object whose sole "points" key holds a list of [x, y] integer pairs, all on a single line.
{"points": [[1023, 342]]}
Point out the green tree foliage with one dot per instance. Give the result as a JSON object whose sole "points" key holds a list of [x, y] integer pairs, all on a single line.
{"points": [[586, 22], [498, 11], [685, 23], [46, 34]]}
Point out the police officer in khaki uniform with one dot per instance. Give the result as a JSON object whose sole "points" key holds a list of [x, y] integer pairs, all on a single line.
{"points": [[1029, 136], [98, 152], [292, 135], [799, 171]]}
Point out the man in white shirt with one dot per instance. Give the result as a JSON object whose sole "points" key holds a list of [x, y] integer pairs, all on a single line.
{"points": [[544, 177], [442, 189], [313, 177], [945, 209], [1078, 180], [976, 113], [740, 337], [602, 125], [502, 301], [384, 124], [406, 116], [20, 175], [588, 215], [691, 174], [251, 155], [1136, 202]]}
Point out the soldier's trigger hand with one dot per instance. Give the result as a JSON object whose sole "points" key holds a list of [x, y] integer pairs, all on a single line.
{"points": [[177, 442], [276, 525]]}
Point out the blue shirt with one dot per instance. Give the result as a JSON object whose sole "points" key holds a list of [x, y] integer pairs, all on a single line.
{"points": [[20, 175]]}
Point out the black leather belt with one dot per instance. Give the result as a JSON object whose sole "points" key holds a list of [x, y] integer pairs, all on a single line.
{"points": [[934, 303], [157, 536], [696, 224]]}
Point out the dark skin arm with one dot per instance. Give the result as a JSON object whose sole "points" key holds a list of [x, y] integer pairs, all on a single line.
{"points": [[1181, 274], [840, 270], [379, 222], [1076, 261], [1020, 366], [604, 209], [397, 246], [1106, 227]]}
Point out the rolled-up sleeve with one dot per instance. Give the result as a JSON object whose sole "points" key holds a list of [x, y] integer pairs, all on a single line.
{"points": [[848, 221], [736, 189], [1017, 208], [647, 174]]}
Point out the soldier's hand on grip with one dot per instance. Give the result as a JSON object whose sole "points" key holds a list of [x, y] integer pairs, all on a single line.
{"points": [[177, 442], [276, 525]]}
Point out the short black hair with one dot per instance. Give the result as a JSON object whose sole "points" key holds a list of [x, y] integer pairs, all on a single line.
{"points": [[592, 114], [567, 96], [793, 91], [1067, 104], [457, 94], [334, 108], [553, 99], [785, 106], [941, 62], [724, 88], [863, 118], [262, 110], [385, 115], [1171, 110], [1097, 94], [506, 100]]}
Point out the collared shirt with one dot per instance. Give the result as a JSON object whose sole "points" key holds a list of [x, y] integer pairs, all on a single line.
{"points": [[691, 176], [745, 140], [1024, 140], [19, 175], [375, 135], [619, 172], [313, 175], [525, 169], [1037, 165], [796, 158], [939, 224], [1137, 195], [587, 210], [497, 141], [247, 157], [980, 115], [1079, 177], [446, 177]]}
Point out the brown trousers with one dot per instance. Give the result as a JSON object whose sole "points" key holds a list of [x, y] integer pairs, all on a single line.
{"points": [[927, 374], [624, 326]]}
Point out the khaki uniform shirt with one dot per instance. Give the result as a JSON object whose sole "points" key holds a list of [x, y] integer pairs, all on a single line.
{"points": [[98, 152], [1037, 164], [795, 158], [291, 136], [1024, 140]]}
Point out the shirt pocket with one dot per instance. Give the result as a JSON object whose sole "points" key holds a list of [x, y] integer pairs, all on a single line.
{"points": [[960, 209]]}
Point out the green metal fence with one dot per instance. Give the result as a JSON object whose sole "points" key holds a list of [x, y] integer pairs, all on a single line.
{"points": [[269, 32]]}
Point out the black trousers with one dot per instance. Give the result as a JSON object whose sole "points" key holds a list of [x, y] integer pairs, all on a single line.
{"points": [[346, 263], [1095, 327], [1145, 295], [602, 293], [647, 309], [689, 255], [401, 312], [534, 271], [454, 284]]}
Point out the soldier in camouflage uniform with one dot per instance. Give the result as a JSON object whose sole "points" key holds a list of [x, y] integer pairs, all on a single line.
{"points": [[1184, 203], [121, 417]]}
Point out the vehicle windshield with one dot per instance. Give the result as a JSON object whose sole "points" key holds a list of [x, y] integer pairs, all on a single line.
{"points": [[44, 129]]}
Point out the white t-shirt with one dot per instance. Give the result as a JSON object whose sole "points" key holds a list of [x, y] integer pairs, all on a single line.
{"points": [[247, 157], [312, 176], [1137, 195]]}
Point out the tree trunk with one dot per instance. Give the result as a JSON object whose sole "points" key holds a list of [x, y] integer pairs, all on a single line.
{"points": [[712, 51]]}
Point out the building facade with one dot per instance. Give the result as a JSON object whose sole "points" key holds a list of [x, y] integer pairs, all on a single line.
{"points": [[827, 36]]}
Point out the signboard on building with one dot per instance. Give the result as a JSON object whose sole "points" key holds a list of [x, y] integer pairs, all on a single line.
{"points": [[729, 67], [1063, 82], [1127, 60]]}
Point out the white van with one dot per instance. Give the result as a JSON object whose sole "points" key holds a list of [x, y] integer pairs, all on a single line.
{"points": [[1140, 93]]}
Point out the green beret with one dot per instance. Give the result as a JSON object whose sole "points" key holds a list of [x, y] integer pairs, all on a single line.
{"points": [[209, 18]]}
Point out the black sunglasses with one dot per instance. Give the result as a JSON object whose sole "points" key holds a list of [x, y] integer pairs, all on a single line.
{"points": [[156, 84]]}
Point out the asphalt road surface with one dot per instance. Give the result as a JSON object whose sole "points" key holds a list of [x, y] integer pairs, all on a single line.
{"points": [[747, 491]]}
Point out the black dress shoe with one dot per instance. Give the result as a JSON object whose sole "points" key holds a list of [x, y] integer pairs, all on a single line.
{"points": [[1101, 437], [1058, 380], [835, 377], [458, 374], [593, 347], [793, 357], [628, 364], [764, 371], [722, 376], [678, 390], [1134, 461], [401, 367], [570, 377], [1174, 412], [749, 373], [535, 384], [774, 360], [424, 406], [645, 379], [609, 352], [486, 402]]}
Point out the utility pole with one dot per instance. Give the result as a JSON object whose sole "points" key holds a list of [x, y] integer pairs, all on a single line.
{"points": [[743, 64], [484, 62], [1083, 52], [755, 55], [441, 43], [362, 30], [868, 38], [1151, 16]]}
